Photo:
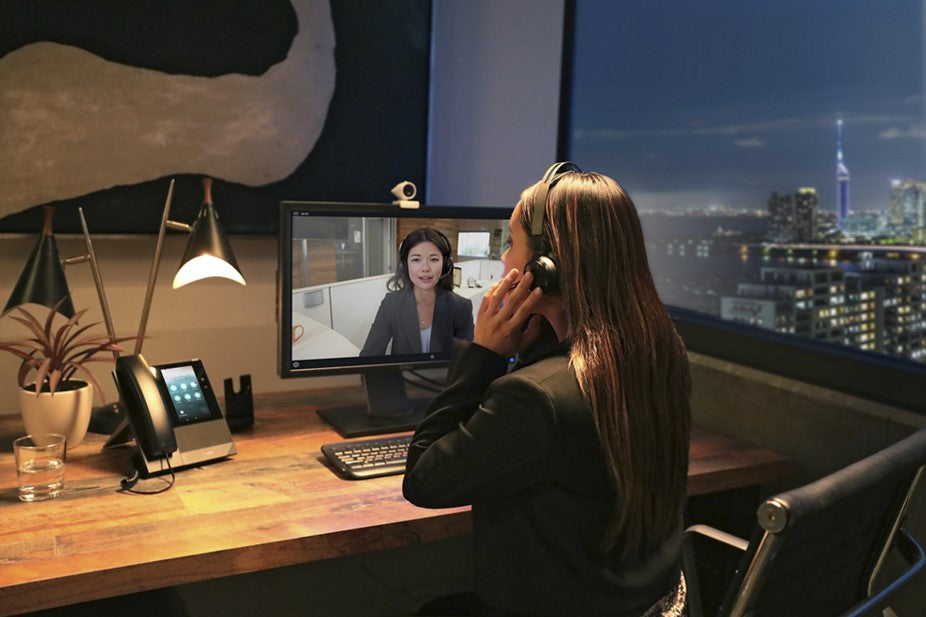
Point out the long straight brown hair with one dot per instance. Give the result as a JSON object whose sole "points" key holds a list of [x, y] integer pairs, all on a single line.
{"points": [[630, 361]]}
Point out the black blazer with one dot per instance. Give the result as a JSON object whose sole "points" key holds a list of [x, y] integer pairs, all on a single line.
{"points": [[397, 321], [522, 448]]}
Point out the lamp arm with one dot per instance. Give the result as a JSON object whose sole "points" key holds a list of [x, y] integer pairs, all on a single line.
{"points": [[98, 280], [153, 274], [97, 277]]}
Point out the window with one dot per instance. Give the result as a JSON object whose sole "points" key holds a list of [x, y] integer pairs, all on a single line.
{"points": [[776, 152]]}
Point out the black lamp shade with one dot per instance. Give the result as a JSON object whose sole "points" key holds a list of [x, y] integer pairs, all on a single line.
{"points": [[42, 280], [207, 253]]}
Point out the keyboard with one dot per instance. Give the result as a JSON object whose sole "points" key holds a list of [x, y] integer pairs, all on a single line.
{"points": [[369, 458]]}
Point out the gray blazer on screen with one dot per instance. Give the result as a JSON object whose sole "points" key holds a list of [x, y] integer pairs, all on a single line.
{"points": [[397, 321]]}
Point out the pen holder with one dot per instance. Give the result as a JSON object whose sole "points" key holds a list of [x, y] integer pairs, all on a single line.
{"points": [[239, 406]]}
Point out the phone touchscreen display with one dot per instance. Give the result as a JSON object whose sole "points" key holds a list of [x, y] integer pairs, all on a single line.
{"points": [[186, 395]]}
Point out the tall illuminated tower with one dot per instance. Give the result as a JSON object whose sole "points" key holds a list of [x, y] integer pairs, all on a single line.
{"points": [[842, 180]]}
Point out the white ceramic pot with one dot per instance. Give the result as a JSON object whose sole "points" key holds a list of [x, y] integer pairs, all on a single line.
{"points": [[66, 412]]}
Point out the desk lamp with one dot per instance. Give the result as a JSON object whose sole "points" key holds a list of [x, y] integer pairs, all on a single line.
{"points": [[207, 253], [42, 280]]}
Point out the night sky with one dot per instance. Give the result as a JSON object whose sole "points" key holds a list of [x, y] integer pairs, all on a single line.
{"points": [[699, 103]]}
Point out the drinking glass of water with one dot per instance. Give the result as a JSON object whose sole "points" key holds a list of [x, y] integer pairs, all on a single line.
{"points": [[40, 465]]}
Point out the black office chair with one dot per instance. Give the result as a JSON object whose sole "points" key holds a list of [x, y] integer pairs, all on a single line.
{"points": [[818, 549]]}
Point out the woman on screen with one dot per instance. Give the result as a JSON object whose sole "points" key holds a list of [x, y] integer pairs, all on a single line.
{"points": [[420, 313], [575, 462]]}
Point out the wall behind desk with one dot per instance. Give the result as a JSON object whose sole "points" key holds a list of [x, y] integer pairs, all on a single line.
{"points": [[491, 134], [230, 327]]}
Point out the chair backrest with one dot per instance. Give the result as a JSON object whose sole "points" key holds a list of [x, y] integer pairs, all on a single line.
{"points": [[818, 546]]}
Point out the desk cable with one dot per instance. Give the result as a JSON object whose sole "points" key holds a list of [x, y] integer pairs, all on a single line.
{"points": [[128, 484]]}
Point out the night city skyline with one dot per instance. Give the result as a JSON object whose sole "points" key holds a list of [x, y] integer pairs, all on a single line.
{"points": [[719, 104], [748, 121]]}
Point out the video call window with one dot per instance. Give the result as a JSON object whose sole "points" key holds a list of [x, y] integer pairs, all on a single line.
{"points": [[341, 271]]}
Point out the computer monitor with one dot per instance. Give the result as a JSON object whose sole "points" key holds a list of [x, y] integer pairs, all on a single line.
{"points": [[335, 261]]}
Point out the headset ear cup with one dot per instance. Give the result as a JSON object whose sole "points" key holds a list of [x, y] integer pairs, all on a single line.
{"points": [[446, 249], [540, 265], [545, 275]]}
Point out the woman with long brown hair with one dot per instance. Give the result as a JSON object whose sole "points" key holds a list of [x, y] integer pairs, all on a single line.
{"points": [[575, 461]]}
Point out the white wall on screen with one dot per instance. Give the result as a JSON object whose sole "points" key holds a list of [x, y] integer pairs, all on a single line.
{"points": [[491, 269], [319, 311], [354, 305], [469, 268]]}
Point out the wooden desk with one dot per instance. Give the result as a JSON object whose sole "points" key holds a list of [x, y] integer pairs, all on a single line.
{"points": [[275, 503]]}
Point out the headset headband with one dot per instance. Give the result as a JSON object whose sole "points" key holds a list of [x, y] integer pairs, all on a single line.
{"points": [[553, 175], [440, 234]]}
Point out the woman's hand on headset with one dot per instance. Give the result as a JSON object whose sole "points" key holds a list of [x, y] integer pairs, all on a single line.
{"points": [[506, 308]]}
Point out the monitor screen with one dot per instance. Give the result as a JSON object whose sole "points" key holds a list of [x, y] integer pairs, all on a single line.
{"points": [[348, 303]]}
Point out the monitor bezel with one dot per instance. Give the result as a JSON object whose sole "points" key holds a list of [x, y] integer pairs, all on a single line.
{"points": [[284, 317]]}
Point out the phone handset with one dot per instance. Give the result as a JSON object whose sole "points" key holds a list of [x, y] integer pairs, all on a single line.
{"points": [[145, 406]]}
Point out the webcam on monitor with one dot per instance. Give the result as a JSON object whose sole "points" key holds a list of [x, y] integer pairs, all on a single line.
{"points": [[405, 190]]}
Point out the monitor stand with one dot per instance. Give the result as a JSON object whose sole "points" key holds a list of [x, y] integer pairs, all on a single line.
{"points": [[387, 408]]}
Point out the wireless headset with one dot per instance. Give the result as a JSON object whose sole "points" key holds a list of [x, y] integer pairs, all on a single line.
{"points": [[443, 246], [541, 263]]}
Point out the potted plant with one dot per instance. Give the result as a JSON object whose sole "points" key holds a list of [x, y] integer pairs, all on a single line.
{"points": [[52, 397]]}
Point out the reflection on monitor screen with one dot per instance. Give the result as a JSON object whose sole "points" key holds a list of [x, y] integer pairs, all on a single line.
{"points": [[347, 299]]}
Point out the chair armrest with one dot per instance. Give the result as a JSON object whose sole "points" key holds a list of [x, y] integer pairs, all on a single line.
{"points": [[720, 536], [689, 561]]}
